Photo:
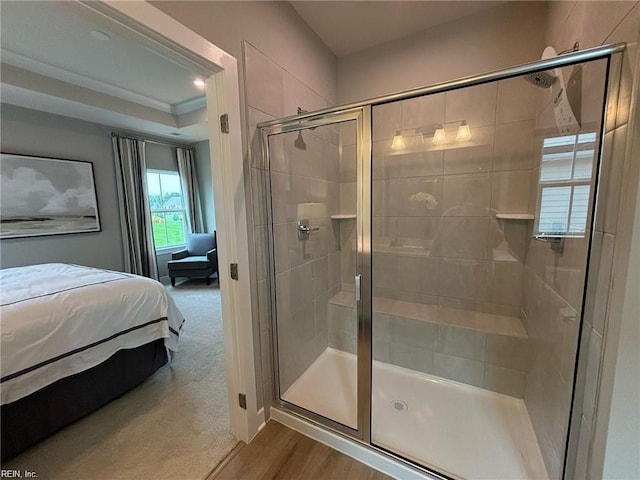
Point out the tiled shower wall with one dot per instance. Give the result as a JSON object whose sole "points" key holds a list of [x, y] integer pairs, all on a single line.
{"points": [[436, 237], [304, 181], [272, 92], [437, 240], [346, 228]]}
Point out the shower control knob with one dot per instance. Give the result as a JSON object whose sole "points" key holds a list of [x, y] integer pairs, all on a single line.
{"points": [[304, 229]]}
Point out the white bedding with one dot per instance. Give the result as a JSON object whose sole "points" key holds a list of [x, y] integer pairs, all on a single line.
{"points": [[57, 320]]}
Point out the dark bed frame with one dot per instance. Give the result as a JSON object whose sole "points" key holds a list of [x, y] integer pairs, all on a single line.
{"points": [[33, 418]]}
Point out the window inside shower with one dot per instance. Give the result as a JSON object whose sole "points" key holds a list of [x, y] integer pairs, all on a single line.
{"points": [[565, 183], [474, 306]]}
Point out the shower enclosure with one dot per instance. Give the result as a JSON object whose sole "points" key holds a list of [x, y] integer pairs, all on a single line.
{"points": [[428, 256]]}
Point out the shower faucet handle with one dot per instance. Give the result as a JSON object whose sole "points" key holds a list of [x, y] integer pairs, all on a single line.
{"points": [[307, 228], [304, 229]]}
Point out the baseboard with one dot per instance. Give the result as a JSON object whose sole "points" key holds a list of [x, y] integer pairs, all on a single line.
{"points": [[165, 280], [260, 420], [374, 459]]}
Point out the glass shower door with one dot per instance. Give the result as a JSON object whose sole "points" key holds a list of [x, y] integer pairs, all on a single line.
{"points": [[482, 219], [314, 222]]}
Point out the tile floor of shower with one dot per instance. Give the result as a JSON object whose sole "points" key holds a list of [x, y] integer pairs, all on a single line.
{"points": [[457, 429]]}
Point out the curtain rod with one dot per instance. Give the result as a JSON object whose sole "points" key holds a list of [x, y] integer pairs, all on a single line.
{"points": [[158, 142]]}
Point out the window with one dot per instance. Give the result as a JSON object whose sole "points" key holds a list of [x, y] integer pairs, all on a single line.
{"points": [[565, 182], [168, 216]]}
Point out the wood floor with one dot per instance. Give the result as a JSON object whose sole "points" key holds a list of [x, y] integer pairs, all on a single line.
{"points": [[278, 452]]}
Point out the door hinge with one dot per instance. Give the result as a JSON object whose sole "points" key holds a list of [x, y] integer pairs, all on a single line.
{"points": [[242, 400], [234, 271], [224, 123]]}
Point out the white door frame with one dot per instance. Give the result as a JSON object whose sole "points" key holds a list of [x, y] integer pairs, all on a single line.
{"points": [[223, 96]]}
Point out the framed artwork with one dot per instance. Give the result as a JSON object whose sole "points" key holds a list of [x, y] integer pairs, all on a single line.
{"points": [[46, 196]]}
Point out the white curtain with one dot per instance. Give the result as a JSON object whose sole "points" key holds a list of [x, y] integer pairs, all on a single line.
{"points": [[190, 191], [135, 214]]}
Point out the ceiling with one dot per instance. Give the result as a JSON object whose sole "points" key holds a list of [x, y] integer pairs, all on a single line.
{"points": [[347, 27], [52, 62]]}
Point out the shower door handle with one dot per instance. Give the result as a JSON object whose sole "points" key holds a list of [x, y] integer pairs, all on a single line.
{"points": [[358, 284]]}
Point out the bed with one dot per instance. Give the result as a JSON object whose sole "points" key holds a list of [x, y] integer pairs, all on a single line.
{"points": [[73, 338]]}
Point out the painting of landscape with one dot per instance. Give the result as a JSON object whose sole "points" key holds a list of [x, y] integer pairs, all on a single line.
{"points": [[46, 196]]}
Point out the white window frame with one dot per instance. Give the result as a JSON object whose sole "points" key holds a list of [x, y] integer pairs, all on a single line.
{"points": [[183, 210], [570, 181]]}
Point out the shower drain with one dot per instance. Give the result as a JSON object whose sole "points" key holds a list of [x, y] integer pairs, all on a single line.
{"points": [[400, 406]]}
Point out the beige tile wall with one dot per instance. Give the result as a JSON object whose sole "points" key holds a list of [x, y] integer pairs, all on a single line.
{"points": [[436, 237], [345, 230], [318, 180], [305, 271], [304, 186], [488, 360]]}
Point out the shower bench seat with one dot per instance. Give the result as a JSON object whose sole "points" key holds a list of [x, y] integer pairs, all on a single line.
{"points": [[437, 314], [476, 348]]}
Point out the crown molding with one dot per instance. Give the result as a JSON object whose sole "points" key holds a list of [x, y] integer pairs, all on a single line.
{"points": [[45, 102], [42, 68], [191, 105]]}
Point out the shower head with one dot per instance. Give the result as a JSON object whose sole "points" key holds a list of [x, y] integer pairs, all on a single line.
{"points": [[299, 142], [543, 79]]}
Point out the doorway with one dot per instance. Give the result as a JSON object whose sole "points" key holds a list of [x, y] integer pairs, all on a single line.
{"points": [[223, 97]]}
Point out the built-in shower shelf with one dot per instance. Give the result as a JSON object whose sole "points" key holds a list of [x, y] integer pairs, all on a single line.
{"points": [[515, 216], [488, 323], [346, 216]]}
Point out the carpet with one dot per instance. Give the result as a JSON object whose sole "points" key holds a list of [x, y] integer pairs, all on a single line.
{"points": [[173, 426]]}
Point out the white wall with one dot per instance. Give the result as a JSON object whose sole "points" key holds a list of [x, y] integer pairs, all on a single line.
{"points": [[622, 455], [496, 38], [29, 132]]}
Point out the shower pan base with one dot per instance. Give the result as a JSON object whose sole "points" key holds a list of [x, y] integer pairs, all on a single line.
{"points": [[458, 429]]}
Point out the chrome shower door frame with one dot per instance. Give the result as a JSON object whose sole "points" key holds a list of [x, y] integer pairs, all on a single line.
{"points": [[362, 116]]}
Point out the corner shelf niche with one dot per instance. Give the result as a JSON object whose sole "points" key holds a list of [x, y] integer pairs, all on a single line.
{"points": [[515, 216], [343, 217]]}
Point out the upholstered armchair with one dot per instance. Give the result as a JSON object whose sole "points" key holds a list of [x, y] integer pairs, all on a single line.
{"points": [[198, 260]]}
